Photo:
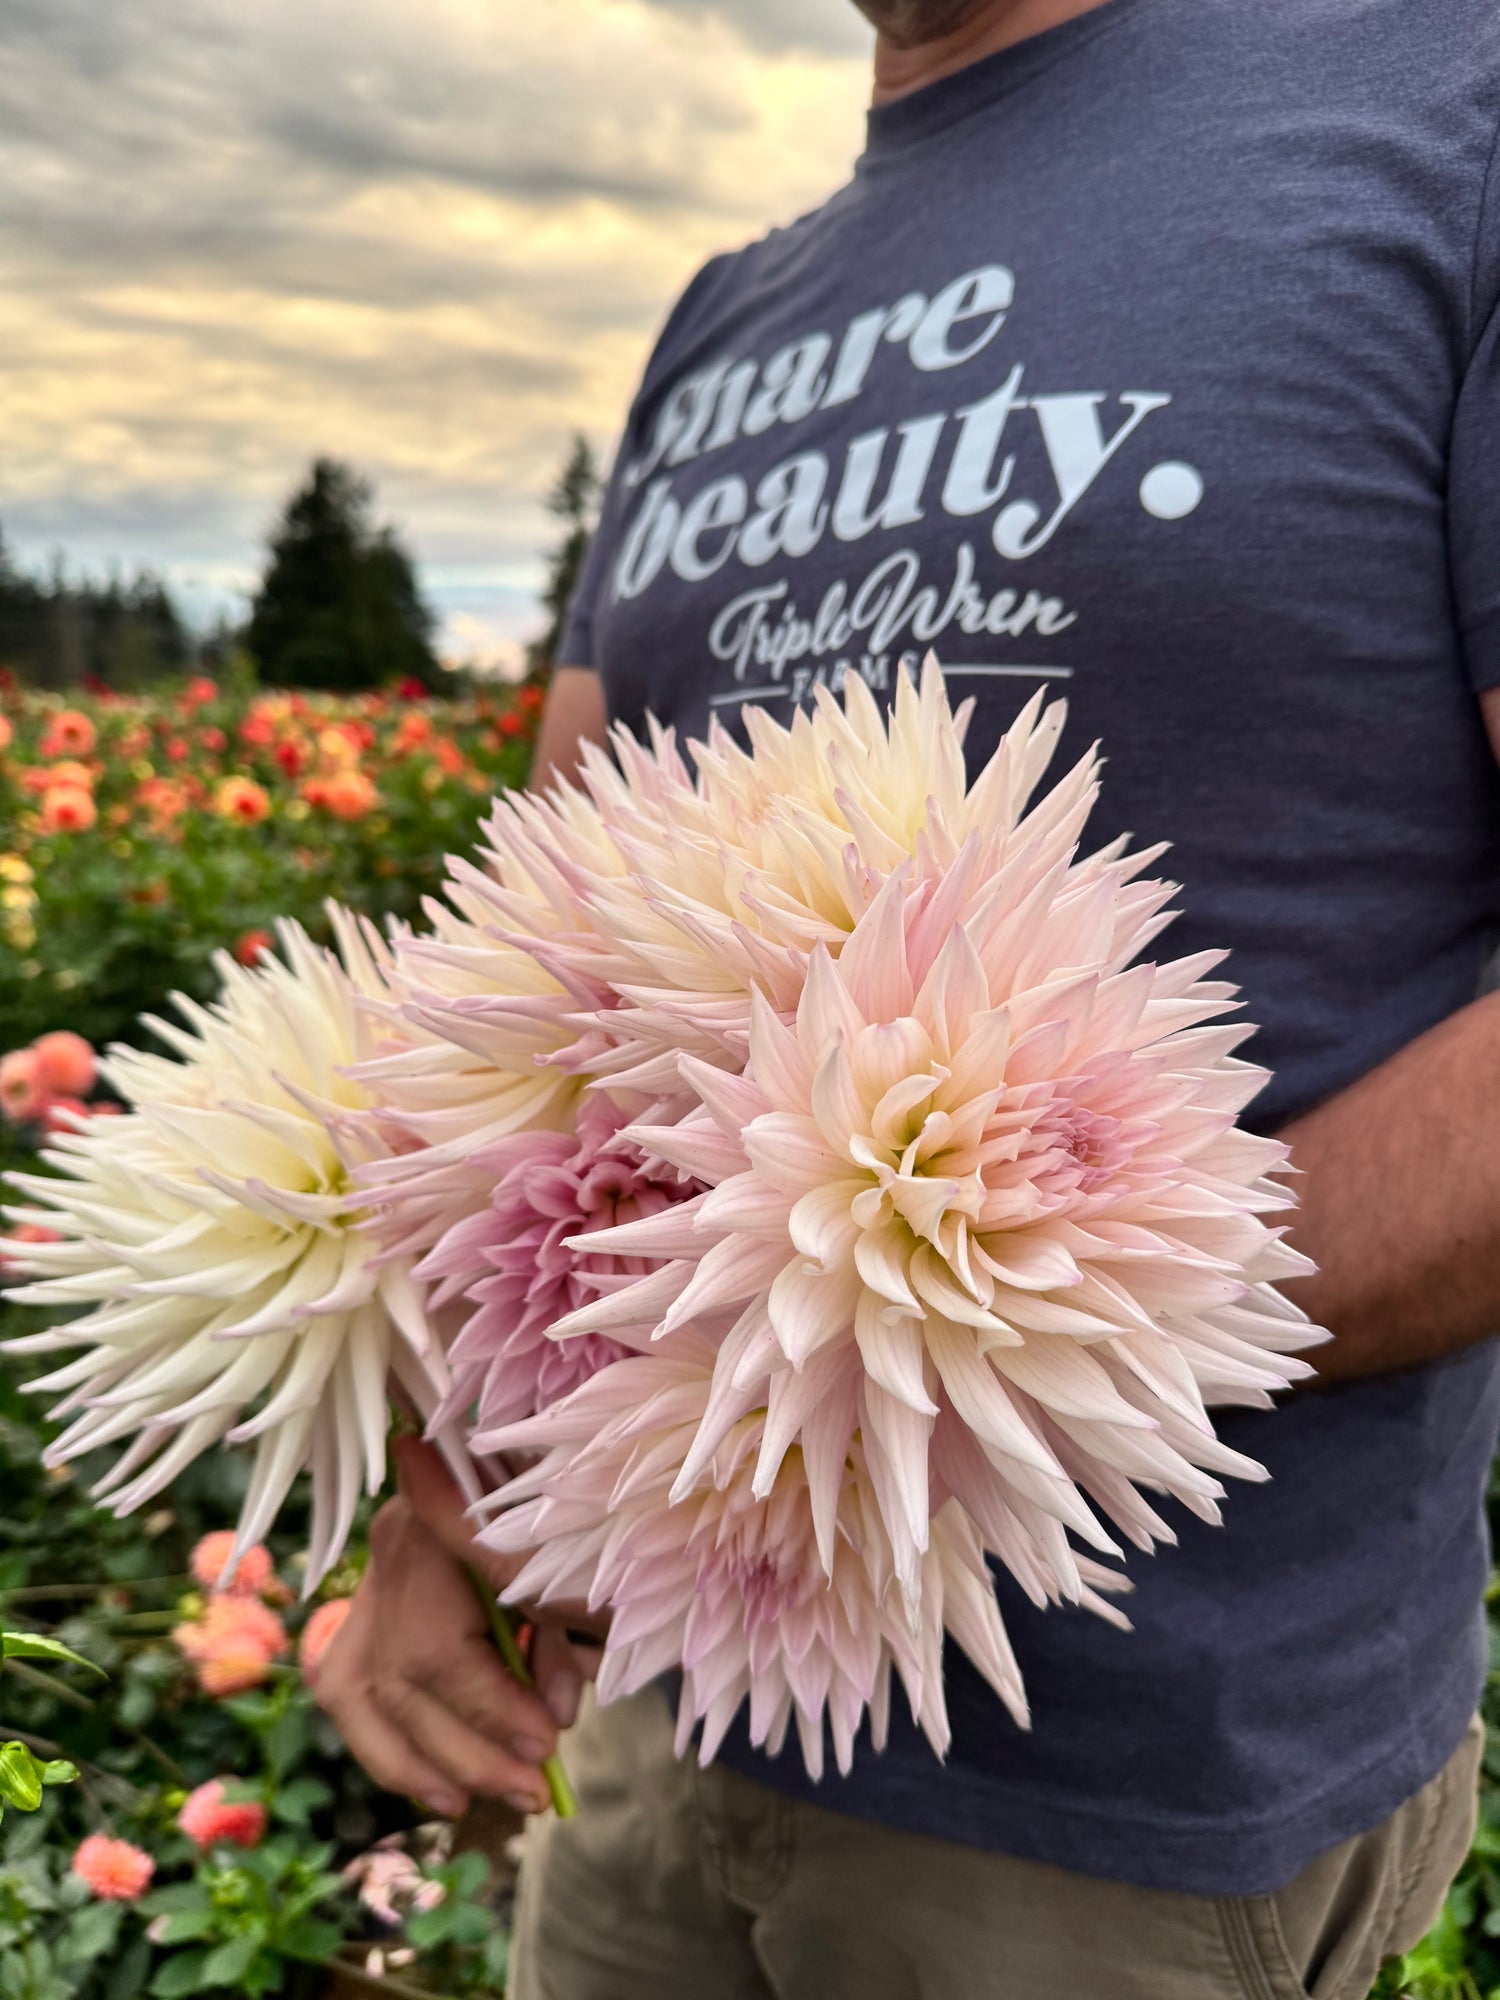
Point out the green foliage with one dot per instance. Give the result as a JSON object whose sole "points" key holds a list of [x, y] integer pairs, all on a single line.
{"points": [[56, 1943], [33, 1646], [339, 607], [464, 1951], [109, 1593], [25, 1776], [246, 1918]]}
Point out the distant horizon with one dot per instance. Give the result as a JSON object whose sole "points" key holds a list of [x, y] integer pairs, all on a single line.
{"points": [[226, 250]]}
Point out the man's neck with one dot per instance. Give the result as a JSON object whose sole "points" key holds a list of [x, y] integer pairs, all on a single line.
{"points": [[996, 25]]}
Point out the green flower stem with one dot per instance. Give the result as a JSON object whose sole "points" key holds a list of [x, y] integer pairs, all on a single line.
{"points": [[71, 1697], [564, 1804]]}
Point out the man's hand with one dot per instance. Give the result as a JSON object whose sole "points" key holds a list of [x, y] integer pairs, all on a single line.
{"points": [[413, 1679]]}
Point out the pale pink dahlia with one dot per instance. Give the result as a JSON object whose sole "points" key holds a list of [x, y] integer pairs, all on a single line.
{"points": [[486, 1000], [512, 1259], [988, 1176], [779, 1592], [730, 880]]}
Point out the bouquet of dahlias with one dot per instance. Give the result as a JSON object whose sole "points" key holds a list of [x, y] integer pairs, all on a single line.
{"points": [[784, 1169]]}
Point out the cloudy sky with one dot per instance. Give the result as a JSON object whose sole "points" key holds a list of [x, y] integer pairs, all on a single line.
{"points": [[429, 236]]}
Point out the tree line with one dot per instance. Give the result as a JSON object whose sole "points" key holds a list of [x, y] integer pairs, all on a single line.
{"points": [[338, 606]]}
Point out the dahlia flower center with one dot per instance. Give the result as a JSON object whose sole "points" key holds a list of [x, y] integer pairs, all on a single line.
{"points": [[916, 1175], [757, 1581], [1085, 1148]]}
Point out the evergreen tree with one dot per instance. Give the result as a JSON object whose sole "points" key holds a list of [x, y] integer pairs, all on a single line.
{"points": [[57, 632], [574, 499], [338, 606]]}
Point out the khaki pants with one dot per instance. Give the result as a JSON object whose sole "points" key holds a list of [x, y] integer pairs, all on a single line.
{"points": [[685, 1885]]}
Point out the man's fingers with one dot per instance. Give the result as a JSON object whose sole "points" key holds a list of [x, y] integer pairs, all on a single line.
{"points": [[465, 1756], [470, 1681], [561, 1668], [429, 1490], [427, 1486], [387, 1753]]}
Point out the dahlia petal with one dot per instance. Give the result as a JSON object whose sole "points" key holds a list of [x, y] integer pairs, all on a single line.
{"points": [[982, 1399], [892, 1349]]}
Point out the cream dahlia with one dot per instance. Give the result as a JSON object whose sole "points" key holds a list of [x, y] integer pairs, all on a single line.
{"points": [[731, 881], [216, 1240], [778, 1592]]}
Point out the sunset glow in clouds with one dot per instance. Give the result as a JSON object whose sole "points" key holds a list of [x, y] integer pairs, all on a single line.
{"points": [[433, 237]]}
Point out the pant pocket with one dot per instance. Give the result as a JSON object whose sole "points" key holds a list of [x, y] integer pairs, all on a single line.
{"points": [[1258, 1948]]}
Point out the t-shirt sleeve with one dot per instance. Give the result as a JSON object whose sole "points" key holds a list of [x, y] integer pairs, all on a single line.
{"points": [[1474, 461], [578, 645]]}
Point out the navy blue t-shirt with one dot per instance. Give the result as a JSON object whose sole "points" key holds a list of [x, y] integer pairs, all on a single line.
{"points": [[1158, 359]]}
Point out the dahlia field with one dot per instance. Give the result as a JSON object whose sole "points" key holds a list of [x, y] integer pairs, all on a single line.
{"points": [[140, 834], [218, 1838]]}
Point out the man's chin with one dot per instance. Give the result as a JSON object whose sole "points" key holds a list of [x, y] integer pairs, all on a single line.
{"points": [[907, 24]]}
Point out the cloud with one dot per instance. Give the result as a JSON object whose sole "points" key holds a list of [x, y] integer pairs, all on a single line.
{"points": [[833, 27], [431, 236]]}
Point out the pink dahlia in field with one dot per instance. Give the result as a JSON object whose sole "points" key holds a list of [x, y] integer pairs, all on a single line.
{"points": [[391, 1883], [219, 1250], [511, 1260], [781, 1593], [319, 1633], [988, 1176], [113, 1869], [210, 1820], [233, 1645], [212, 1555]]}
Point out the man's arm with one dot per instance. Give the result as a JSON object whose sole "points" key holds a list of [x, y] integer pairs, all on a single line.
{"points": [[574, 714], [1399, 1184]]}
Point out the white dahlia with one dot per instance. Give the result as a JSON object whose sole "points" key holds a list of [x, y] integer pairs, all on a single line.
{"points": [[214, 1237]]}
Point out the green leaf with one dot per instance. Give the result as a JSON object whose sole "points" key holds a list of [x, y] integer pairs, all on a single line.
{"points": [[470, 1923], [188, 1926], [311, 1939], [228, 1963], [468, 1874], [179, 1977], [127, 1980], [90, 1933], [427, 1929], [175, 1896], [20, 1777], [33, 1646], [295, 1803], [288, 1737], [58, 1771]]}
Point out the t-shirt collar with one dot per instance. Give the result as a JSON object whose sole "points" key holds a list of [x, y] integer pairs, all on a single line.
{"points": [[906, 121]]}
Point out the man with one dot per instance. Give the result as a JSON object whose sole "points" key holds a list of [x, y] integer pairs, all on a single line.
{"points": [[1152, 351]]}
